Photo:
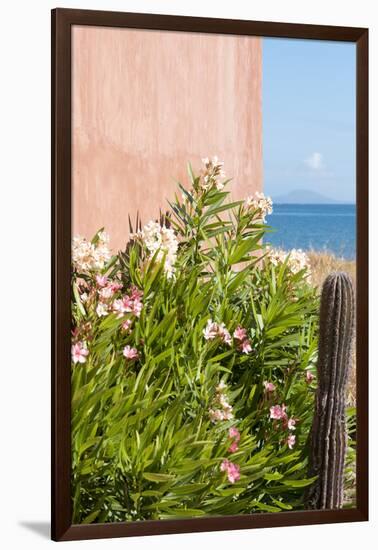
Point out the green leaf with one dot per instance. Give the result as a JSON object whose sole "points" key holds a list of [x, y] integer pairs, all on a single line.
{"points": [[273, 476], [281, 504], [298, 482], [265, 507], [158, 478], [182, 513], [189, 489]]}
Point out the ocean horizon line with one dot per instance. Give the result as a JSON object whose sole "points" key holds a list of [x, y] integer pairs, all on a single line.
{"points": [[315, 203]]}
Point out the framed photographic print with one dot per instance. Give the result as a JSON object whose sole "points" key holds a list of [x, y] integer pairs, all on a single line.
{"points": [[209, 274]]}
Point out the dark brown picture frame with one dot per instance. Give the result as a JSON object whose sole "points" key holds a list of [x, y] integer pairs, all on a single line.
{"points": [[62, 21]]}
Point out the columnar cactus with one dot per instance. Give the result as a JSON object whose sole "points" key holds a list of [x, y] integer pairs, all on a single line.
{"points": [[328, 436]]}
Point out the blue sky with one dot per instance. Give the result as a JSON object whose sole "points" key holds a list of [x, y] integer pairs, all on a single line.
{"points": [[309, 117]]}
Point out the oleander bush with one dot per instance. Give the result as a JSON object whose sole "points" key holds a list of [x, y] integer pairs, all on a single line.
{"points": [[193, 364]]}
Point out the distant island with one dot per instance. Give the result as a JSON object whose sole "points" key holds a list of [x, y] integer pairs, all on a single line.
{"points": [[304, 196]]}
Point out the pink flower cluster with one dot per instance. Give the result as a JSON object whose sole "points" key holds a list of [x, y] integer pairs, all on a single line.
{"points": [[234, 435], [126, 325], [269, 387], [232, 470], [244, 344], [129, 303], [214, 330], [107, 286], [105, 290], [223, 410], [130, 353], [309, 377], [79, 352], [278, 412]]}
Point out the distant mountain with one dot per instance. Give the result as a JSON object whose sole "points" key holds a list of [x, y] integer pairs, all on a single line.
{"points": [[304, 196]]}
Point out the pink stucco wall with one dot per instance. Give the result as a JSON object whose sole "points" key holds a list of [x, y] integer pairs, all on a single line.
{"points": [[147, 102]]}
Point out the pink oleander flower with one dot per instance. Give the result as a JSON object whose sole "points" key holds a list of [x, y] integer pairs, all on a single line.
{"points": [[118, 307], [232, 470], [240, 333], [269, 386], [101, 280], [244, 343], [79, 353], [126, 325], [130, 353], [127, 304], [291, 423], [234, 433], [233, 447], [136, 293], [290, 441], [115, 286], [309, 377], [277, 412], [137, 307], [224, 465], [246, 346]]}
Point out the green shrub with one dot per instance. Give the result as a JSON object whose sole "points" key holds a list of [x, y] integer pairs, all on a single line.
{"points": [[192, 384]]}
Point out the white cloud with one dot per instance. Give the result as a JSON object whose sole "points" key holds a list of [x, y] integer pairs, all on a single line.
{"points": [[315, 161]]}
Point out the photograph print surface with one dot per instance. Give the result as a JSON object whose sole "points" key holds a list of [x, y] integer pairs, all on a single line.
{"points": [[213, 274]]}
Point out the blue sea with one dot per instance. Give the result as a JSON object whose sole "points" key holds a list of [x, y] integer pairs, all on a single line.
{"points": [[323, 227]]}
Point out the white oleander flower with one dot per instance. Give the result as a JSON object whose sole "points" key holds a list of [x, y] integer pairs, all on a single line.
{"points": [[213, 330], [222, 410], [163, 241], [297, 259], [82, 254], [261, 203], [212, 174], [88, 257], [221, 386], [102, 309]]}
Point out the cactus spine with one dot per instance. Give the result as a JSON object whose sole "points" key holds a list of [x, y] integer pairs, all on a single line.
{"points": [[328, 436]]}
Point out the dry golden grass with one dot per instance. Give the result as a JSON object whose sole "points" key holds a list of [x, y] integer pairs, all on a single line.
{"points": [[322, 264]]}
